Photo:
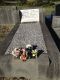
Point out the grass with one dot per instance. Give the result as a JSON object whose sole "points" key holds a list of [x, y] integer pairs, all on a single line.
{"points": [[4, 31]]}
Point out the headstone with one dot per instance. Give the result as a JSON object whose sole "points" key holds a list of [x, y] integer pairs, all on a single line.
{"points": [[30, 15]]}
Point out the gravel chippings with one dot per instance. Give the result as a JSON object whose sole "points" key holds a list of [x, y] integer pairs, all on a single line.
{"points": [[27, 33]]}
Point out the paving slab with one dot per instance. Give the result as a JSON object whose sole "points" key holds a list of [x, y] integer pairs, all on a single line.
{"points": [[34, 69], [8, 15], [56, 22], [12, 67]]}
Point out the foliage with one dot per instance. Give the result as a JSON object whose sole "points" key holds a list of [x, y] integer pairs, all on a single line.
{"points": [[48, 10], [29, 2], [23, 1]]}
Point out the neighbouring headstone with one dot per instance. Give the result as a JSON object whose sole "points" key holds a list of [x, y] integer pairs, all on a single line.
{"points": [[8, 15], [56, 22], [57, 9]]}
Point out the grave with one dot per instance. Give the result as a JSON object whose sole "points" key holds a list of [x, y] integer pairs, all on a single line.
{"points": [[28, 32]]}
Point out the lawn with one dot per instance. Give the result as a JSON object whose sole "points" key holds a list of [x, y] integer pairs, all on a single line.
{"points": [[4, 31]]}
